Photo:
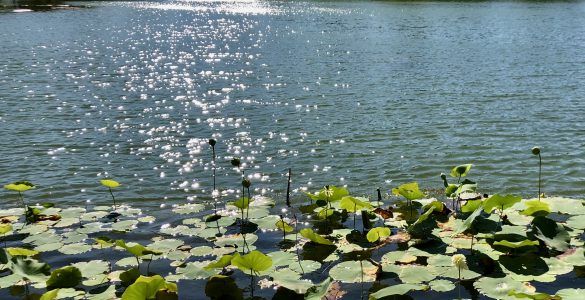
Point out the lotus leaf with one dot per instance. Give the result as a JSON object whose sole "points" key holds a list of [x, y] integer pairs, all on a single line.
{"points": [[318, 291], [66, 277], [329, 193], [399, 289], [136, 249], [576, 222], [314, 237], [398, 256], [20, 186], [536, 208], [377, 233], [201, 251], [460, 171], [282, 225], [238, 240], [351, 271], [128, 277], [500, 202], [410, 191], [291, 280], [500, 287], [551, 233], [165, 245], [565, 205], [50, 295], [31, 269], [514, 245], [223, 262], [92, 268], [304, 266], [126, 225], [21, 252], [354, 204], [243, 203], [147, 288], [255, 261], [223, 287], [75, 248], [110, 183], [196, 270], [189, 208], [571, 294], [534, 296], [5, 228], [415, 274], [441, 285]]}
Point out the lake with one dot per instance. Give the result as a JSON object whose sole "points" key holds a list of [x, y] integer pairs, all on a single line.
{"points": [[364, 94]]}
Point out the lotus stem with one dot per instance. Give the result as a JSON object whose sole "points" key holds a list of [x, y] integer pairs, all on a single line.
{"points": [[148, 265], [296, 242], [251, 284], [354, 213], [248, 207], [113, 199], [379, 196], [138, 263], [539, 174], [288, 188]]}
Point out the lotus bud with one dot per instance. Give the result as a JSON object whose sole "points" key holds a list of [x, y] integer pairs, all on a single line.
{"points": [[236, 162], [536, 150], [246, 183], [212, 142]]}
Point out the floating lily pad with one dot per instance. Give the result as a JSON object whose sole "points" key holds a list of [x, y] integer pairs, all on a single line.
{"points": [[571, 294], [377, 233], [126, 225], [196, 270], [291, 280], [399, 289], [351, 271], [305, 266], [536, 208], [165, 245], [190, 208], [92, 268], [66, 277], [441, 285], [201, 251], [76, 248], [281, 258], [415, 274], [499, 288]]}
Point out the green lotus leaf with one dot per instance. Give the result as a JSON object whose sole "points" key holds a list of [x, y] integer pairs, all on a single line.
{"points": [[20, 186], [450, 189], [351, 271], [571, 294], [101, 294], [500, 202], [73, 237], [499, 288], [282, 225], [31, 269], [196, 270], [66, 277], [75, 248], [551, 233], [147, 288], [402, 257], [110, 183], [291, 280], [126, 261], [9, 280], [21, 252], [5, 228], [189, 208], [423, 217], [282, 258], [325, 212], [399, 289], [410, 191], [104, 241], [314, 237], [441, 285], [319, 291], [201, 251], [236, 240], [304, 266], [243, 203], [534, 296], [576, 222], [528, 267], [255, 261], [33, 229], [136, 249], [415, 274], [331, 193], [536, 208], [92, 268], [126, 225], [223, 287], [514, 245], [461, 170], [267, 222], [565, 206], [354, 204], [574, 256], [221, 263], [377, 233], [50, 295], [165, 245], [42, 238], [128, 277], [471, 205]]}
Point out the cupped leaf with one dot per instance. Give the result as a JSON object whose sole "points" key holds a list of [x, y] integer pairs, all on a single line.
{"points": [[66, 277], [110, 183], [223, 287], [243, 203], [536, 208], [147, 288], [462, 227], [50, 295], [255, 261], [136, 249], [460, 171], [410, 191], [20, 186], [354, 204], [314, 237], [283, 226], [500, 202], [377, 233]]}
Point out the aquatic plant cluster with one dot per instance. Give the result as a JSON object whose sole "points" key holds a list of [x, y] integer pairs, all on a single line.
{"points": [[405, 245]]}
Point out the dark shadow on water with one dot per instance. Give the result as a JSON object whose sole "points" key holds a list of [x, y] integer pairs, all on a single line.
{"points": [[35, 5]]}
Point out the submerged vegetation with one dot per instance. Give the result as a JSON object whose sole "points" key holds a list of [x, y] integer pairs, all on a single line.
{"points": [[406, 245]]}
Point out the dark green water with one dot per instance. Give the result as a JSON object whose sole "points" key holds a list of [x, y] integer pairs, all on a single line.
{"points": [[368, 94]]}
